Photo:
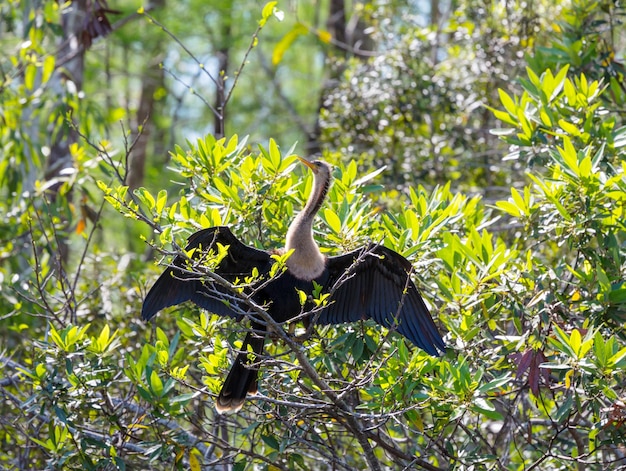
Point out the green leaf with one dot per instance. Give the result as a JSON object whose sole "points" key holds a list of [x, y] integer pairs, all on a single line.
{"points": [[519, 201], [618, 357], [183, 398], [603, 279], [503, 116], [268, 10], [570, 92], [509, 207], [184, 207], [565, 409], [47, 68], [562, 342], [296, 458], [555, 366], [194, 460], [619, 137], [169, 385], [156, 384], [559, 81], [527, 131], [29, 76], [495, 384], [229, 192], [271, 441], [486, 408], [357, 349], [166, 236], [507, 102], [600, 349], [286, 41], [617, 295], [534, 79], [369, 176], [56, 338], [161, 201], [119, 463], [274, 155], [332, 220], [103, 187], [145, 197], [502, 131], [585, 346], [47, 445], [549, 191], [569, 128], [302, 296], [575, 341], [545, 118]]}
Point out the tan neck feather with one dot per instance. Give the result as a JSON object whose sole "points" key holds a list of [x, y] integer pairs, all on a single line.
{"points": [[306, 262]]}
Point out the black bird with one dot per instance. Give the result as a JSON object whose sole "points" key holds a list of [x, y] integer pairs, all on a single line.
{"points": [[377, 287]]}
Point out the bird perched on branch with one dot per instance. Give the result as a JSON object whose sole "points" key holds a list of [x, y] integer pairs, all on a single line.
{"points": [[372, 282]]}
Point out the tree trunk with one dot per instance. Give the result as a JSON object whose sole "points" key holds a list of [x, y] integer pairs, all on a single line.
{"points": [[349, 38], [223, 58], [220, 93], [82, 21], [337, 28], [153, 78], [66, 80]]}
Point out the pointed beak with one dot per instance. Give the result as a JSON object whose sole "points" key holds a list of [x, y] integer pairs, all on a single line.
{"points": [[307, 163]]}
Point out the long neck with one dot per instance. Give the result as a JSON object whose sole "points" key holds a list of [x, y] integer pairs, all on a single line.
{"points": [[306, 262]]}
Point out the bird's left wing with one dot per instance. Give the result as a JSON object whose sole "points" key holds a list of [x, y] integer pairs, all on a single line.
{"points": [[177, 284], [374, 282]]}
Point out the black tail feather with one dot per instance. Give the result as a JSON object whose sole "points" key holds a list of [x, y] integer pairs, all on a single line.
{"points": [[243, 376]]}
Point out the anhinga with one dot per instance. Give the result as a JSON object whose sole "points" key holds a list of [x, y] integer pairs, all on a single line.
{"points": [[377, 287]]}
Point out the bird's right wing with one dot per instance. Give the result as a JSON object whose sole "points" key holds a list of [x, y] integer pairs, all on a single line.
{"points": [[374, 283], [177, 284]]}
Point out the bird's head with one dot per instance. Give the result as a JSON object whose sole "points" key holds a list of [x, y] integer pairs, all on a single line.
{"points": [[319, 167], [321, 184]]}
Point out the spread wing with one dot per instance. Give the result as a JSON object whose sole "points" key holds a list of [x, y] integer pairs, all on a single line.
{"points": [[176, 285], [379, 286]]}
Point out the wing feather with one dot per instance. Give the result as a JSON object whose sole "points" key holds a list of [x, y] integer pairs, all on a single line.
{"points": [[176, 285], [380, 288]]}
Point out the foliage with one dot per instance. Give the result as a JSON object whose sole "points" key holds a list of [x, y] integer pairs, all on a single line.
{"points": [[529, 288], [417, 105], [571, 333]]}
